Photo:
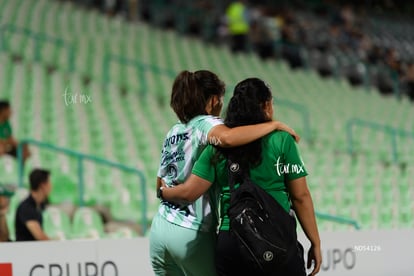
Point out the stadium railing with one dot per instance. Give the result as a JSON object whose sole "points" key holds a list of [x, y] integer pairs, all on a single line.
{"points": [[303, 111], [80, 158], [337, 219], [392, 131]]}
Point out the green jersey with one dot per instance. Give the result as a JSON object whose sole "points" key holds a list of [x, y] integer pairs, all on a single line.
{"points": [[5, 130], [182, 147], [281, 162]]}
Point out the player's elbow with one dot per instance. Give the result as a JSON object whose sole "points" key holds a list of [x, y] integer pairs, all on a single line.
{"points": [[226, 140], [301, 197]]}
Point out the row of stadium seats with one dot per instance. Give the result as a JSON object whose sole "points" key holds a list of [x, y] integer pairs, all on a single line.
{"points": [[85, 224]]}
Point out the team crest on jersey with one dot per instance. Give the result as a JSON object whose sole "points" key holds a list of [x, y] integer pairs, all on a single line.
{"points": [[172, 171]]}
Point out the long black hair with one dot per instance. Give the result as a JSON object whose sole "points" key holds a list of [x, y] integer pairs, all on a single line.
{"points": [[247, 107]]}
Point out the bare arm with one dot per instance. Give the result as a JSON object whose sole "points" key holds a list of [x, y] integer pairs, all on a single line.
{"points": [[36, 230], [4, 230], [303, 206], [159, 183], [233, 137], [189, 191], [2, 146]]}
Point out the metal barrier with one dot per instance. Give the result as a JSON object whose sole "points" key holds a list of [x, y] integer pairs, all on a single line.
{"points": [[81, 157], [338, 219], [393, 132], [304, 113]]}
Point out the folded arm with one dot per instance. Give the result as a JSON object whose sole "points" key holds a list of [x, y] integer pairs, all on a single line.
{"points": [[189, 191]]}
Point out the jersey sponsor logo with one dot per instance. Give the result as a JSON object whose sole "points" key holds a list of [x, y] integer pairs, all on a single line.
{"points": [[175, 139], [172, 157], [282, 168]]}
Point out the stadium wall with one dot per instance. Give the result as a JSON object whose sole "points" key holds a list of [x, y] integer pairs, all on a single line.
{"points": [[358, 253]]}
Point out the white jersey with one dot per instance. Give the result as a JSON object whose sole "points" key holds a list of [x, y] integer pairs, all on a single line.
{"points": [[182, 147]]}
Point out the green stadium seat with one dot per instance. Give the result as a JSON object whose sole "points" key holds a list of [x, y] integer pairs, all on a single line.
{"points": [[87, 224], [56, 224], [122, 232], [64, 188], [125, 206]]}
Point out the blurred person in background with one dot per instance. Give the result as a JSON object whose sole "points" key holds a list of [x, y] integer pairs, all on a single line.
{"points": [[238, 25], [8, 144], [291, 39], [6, 192], [408, 79], [29, 221], [260, 35]]}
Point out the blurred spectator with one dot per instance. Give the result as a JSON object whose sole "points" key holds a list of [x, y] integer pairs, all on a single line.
{"points": [[347, 17], [326, 65], [374, 55], [342, 33], [29, 221], [408, 79], [336, 40], [133, 6], [392, 59], [385, 80], [290, 43], [5, 193], [261, 39], [8, 144], [238, 25], [109, 6]]}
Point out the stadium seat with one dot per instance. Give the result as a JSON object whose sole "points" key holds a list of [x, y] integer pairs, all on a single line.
{"points": [[56, 223], [87, 224], [125, 206], [64, 188]]}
